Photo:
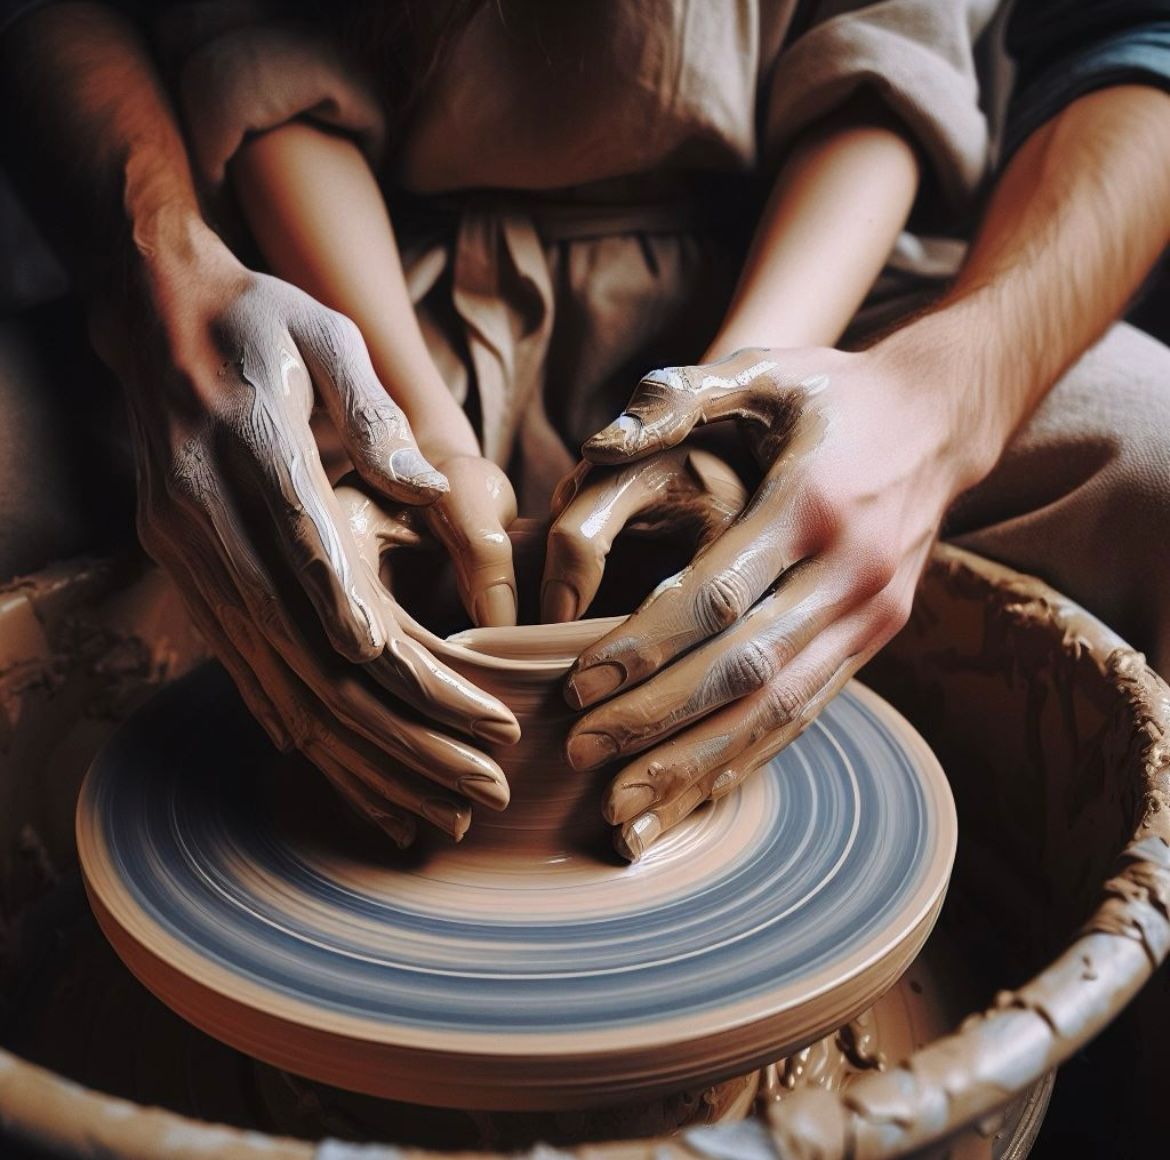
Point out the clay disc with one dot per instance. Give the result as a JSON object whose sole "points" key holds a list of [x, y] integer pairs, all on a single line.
{"points": [[238, 891]]}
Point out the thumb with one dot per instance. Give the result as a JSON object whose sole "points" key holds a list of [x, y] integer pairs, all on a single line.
{"points": [[661, 413]]}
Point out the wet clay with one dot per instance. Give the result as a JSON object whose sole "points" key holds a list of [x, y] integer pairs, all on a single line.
{"points": [[523, 968], [1031, 701]]}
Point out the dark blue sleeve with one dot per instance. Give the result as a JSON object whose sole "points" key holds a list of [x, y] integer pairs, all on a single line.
{"points": [[1066, 48]]}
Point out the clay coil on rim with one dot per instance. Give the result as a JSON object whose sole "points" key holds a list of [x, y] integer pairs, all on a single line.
{"points": [[520, 970]]}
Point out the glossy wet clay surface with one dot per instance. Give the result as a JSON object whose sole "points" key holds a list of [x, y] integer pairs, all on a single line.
{"points": [[526, 967]]}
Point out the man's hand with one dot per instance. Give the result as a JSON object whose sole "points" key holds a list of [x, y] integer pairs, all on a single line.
{"points": [[684, 492], [729, 660], [220, 366]]}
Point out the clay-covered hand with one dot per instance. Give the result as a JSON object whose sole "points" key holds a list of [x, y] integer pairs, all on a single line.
{"points": [[471, 522], [685, 491], [222, 367], [728, 661]]}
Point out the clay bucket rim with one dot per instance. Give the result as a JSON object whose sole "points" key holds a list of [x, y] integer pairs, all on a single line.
{"points": [[78, 1121]]}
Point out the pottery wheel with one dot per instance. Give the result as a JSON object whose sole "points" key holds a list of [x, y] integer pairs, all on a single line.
{"points": [[238, 891]]}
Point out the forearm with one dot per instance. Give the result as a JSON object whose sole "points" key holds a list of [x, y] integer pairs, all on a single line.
{"points": [[318, 216], [835, 211], [1077, 221], [92, 141]]}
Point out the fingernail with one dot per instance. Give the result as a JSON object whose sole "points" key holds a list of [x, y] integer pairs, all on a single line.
{"points": [[409, 465], [632, 840], [558, 602], [589, 750], [496, 607], [451, 819], [485, 790], [724, 783], [628, 801], [496, 731], [594, 684]]}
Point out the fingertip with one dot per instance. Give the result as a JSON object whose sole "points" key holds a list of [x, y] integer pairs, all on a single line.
{"points": [[408, 468], [492, 792], [495, 607], [633, 839], [559, 602], [497, 730], [588, 749], [621, 437], [627, 800], [454, 820], [605, 454], [587, 685]]}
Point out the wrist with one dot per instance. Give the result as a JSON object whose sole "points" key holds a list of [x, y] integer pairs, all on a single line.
{"points": [[946, 358], [160, 292]]}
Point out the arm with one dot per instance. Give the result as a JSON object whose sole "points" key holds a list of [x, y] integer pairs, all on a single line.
{"points": [[95, 145], [1074, 226], [838, 204], [836, 208], [216, 364], [318, 216], [863, 454]]}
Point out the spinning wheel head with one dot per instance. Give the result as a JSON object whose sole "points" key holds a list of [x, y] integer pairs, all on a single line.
{"points": [[463, 976]]}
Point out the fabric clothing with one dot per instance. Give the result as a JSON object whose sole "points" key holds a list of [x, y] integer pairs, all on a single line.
{"points": [[1081, 496], [1067, 48], [555, 257], [561, 173]]}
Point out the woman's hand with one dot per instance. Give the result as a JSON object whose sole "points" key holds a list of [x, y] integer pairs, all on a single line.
{"points": [[471, 522], [221, 368], [728, 661]]}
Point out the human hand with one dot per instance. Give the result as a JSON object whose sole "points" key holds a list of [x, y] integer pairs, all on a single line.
{"points": [[727, 662], [234, 504], [471, 522], [682, 490]]}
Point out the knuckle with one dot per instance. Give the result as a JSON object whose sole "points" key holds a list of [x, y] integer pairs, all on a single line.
{"points": [[784, 705], [567, 543], [822, 516], [750, 668], [342, 333], [722, 600], [267, 612], [890, 611], [376, 422], [782, 647], [491, 548], [875, 568], [189, 479]]}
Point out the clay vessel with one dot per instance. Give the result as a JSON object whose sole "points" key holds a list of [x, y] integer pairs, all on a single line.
{"points": [[554, 810]]}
